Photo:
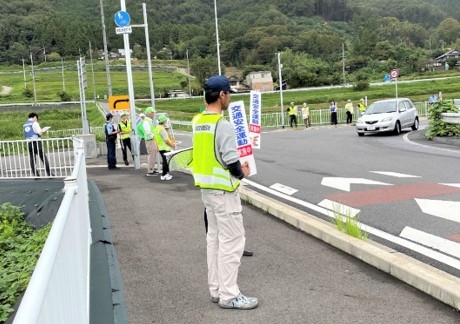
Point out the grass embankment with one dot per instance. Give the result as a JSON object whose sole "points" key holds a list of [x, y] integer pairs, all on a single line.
{"points": [[20, 247]]}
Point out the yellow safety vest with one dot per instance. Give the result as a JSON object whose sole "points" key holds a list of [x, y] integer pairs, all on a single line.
{"points": [[162, 146], [291, 110], [125, 128], [206, 169]]}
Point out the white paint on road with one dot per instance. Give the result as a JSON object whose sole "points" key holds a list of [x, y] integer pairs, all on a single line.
{"points": [[440, 257], [284, 189], [345, 183], [339, 208], [431, 241], [395, 174], [457, 185], [449, 210]]}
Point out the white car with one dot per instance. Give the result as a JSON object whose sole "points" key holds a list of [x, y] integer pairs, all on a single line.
{"points": [[391, 115]]}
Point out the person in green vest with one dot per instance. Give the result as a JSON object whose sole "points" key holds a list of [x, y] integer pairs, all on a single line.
{"points": [[292, 112], [125, 136], [164, 143], [361, 106], [140, 127], [217, 170]]}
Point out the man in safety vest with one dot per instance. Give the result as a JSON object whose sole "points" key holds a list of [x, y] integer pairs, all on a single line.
{"points": [[349, 111], [292, 112], [149, 126], [164, 144], [361, 106], [125, 136], [217, 171]]}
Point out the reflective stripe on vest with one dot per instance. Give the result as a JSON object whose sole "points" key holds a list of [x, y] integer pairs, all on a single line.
{"points": [[207, 171], [125, 128]]}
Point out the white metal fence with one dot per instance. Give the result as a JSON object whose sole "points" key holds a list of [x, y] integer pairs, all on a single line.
{"points": [[43, 158], [58, 291]]}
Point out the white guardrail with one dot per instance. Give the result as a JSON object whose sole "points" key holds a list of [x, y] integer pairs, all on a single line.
{"points": [[43, 158], [451, 118], [58, 291]]}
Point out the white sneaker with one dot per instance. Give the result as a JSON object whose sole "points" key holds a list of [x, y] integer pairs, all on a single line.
{"points": [[240, 302], [166, 177]]}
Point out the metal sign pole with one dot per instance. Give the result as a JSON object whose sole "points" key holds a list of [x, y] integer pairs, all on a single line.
{"points": [[132, 105]]}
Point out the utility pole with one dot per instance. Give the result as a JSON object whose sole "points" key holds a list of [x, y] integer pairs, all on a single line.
{"points": [[281, 89], [33, 77], [92, 70], [24, 72], [188, 76], [106, 55], [343, 64], [62, 69], [217, 38]]}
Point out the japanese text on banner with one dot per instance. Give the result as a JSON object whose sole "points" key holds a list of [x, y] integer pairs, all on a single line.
{"points": [[238, 119], [255, 111]]}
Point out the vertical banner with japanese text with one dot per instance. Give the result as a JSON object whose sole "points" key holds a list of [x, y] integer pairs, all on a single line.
{"points": [[238, 119], [255, 110]]}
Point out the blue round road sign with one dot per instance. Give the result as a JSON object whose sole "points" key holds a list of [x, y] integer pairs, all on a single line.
{"points": [[122, 19]]}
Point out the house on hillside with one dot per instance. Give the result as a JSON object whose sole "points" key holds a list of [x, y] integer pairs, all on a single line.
{"points": [[260, 81], [439, 63]]}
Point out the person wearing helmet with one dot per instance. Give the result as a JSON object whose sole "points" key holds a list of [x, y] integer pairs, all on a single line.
{"points": [[111, 132], [164, 143]]}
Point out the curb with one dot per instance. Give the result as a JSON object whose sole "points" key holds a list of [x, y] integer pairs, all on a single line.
{"points": [[434, 282]]}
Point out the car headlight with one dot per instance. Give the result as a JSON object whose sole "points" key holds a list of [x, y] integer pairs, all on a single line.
{"points": [[386, 119]]}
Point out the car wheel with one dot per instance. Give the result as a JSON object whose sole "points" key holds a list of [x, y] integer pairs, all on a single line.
{"points": [[397, 129], [360, 134], [415, 125]]}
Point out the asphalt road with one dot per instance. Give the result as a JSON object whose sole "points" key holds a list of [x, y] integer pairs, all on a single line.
{"points": [[393, 183], [403, 186], [159, 237]]}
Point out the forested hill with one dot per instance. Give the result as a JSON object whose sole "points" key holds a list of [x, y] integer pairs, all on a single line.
{"points": [[250, 31]]}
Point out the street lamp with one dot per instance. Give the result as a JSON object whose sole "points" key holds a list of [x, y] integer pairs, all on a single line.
{"points": [[33, 77], [281, 89], [217, 38]]}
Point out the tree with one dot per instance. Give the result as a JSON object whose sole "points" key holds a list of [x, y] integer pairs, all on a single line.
{"points": [[449, 30], [203, 68]]}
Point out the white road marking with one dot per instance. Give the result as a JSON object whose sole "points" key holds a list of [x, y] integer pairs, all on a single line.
{"points": [[340, 208], [449, 210], [407, 140], [345, 183], [395, 174], [284, 189], [432, 241], [376, 232], [451, 184]]}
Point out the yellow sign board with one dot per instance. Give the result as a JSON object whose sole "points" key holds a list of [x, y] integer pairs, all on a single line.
{"points": [[119, 102]]}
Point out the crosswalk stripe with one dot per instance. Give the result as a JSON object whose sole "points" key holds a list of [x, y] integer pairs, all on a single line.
{"points": [[431, 241]]}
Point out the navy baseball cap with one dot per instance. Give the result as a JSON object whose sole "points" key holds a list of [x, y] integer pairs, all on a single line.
{"points": [[217, 83]]}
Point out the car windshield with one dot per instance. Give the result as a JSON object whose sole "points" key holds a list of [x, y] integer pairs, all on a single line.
{"points": [[381, 107]]}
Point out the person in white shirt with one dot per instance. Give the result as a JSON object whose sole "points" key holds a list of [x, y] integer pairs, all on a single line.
{"points": [[33, 133]]}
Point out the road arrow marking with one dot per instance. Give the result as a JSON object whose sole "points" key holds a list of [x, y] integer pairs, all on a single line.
{"points": [[395, 174], [339, 208], [452, 184], [345, 183], [440, 208], [284, 189], [431, 241]]}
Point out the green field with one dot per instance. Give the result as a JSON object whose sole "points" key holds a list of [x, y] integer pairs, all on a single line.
{"points": [[50, 81]]}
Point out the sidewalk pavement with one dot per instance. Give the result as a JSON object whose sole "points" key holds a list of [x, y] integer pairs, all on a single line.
{"points": [[159, 238]]}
